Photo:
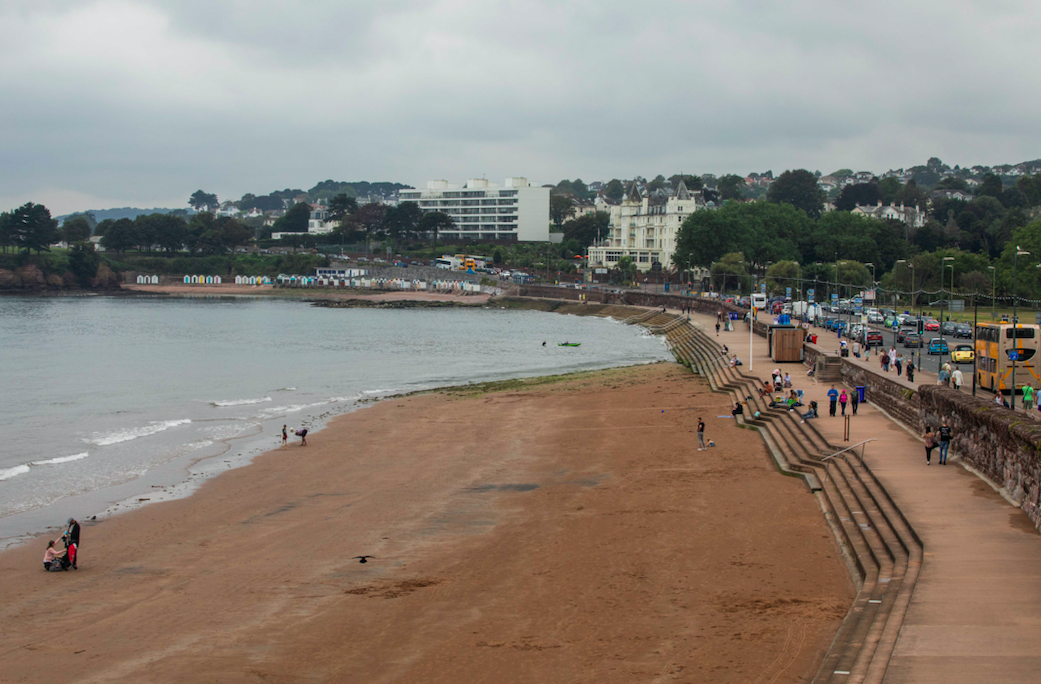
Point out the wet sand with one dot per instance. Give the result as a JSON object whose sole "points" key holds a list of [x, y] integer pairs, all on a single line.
{"points": [[317, 293], [547, 532]]}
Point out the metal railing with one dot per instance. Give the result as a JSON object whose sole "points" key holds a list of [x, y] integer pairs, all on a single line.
{"points": [[858, 444]]}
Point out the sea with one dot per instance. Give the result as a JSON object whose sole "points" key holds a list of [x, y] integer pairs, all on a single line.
{"points": [[110, 403]]}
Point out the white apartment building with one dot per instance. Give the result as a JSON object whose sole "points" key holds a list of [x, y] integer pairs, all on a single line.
{"points": [[516, 210], [644, 230]]}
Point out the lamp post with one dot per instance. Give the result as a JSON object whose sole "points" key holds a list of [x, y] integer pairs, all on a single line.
{"points": [[993, 288], [943, 263], [1015, 320]]}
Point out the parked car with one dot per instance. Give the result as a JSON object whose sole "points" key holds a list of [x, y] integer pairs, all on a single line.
{"points": [[874, 339], [963, 330], [938, 345], [932, 325], [829, 322], [963, 353], [913, 340]]}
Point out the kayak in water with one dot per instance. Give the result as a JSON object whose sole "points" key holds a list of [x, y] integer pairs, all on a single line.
{"points": [[568, 344]]}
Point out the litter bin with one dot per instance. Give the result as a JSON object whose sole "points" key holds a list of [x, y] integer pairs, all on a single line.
{"points": [[845, 352], [813, 339], [860, 392]]}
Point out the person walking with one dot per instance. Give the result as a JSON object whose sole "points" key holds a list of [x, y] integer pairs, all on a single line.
{"points": [[945, 441], [910, 371], [885, 361], [930, 444], [854, 400], [717, 328], [898, 362], [701, 434], [957, 378], [856, 349], [1028, 397], [833, 397], [843, 400]]}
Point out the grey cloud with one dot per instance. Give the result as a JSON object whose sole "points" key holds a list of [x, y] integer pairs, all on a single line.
{"points": [[144, 99]]}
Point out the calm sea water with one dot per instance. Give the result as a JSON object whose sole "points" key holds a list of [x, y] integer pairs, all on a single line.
{"points": [[108, 400]]}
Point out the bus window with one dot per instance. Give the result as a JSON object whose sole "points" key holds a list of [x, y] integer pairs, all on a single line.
{"points": [[1019, 333]]}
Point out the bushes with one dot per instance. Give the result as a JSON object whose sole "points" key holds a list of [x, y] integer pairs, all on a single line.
{"points": [[245, 264]]}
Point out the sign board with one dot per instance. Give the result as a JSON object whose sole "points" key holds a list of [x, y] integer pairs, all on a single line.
{"points": [[858, 301], [788, 292], [1020, 354], [809, 295], [666, 287], [762, 287], [834, 298], [602, 271], [1013, 354]]}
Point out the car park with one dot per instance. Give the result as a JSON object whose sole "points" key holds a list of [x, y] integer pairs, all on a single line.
{"points": [[913, 340], [938, 345], [963, 353]]}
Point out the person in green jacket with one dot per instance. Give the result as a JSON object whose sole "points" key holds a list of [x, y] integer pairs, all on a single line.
{"points": [[1028, 398]]}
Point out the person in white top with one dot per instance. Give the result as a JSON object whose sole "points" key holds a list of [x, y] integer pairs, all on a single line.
{"points": [[957, 378]]}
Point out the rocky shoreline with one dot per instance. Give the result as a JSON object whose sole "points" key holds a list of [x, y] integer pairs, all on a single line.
{"points": [[30, 279]]}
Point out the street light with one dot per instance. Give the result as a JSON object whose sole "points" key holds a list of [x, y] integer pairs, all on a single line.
{"points": [[1015, 320], [943, 262], [993, 288]]}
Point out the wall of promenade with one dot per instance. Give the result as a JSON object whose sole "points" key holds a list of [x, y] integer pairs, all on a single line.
{"points": [[1002, 445], [627, 298]]}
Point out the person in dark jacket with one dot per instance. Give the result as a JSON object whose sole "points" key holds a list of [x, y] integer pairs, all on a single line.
{"points": [[72, 539], [945, 434]]}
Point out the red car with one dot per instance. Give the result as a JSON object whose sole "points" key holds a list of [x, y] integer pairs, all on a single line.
{"points": [[874, 339], [932, 325]]}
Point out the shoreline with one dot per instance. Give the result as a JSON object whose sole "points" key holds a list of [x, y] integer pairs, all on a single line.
{"points": [[463, 515]]}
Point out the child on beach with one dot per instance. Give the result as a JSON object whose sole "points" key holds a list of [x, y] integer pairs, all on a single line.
{"points": [[285, 435]]}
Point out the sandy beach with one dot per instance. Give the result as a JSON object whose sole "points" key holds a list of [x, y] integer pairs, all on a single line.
{"points": [[322, 293], [563, 531]]}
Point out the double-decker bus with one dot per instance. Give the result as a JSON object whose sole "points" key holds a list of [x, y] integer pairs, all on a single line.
{"points": [[994, 341]]}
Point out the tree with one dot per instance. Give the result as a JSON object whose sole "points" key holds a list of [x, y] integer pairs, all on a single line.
{"points": [[614, 189], [731, 186], [952, 183], [781, 275], [435, 222], [83, 263], [762, 232], [120, 236], [560, 209], [798, 188], [692, 182], [75, 230], [976, 281], [729, 269], [30, 227], [202, 200], [234, 234], [402, 222], [295, 220], [657, 184], [369, 219], [858, 194], [170, 231], [842, 173], [341, 206], [889, 187], [586, 229], [842, 235], [990, 186]]}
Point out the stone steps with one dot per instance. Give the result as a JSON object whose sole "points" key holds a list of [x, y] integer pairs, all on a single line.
{"points": [[882, 549]]}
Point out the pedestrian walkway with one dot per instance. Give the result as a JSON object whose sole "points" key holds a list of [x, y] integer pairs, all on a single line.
{"points": [[975, 614]]}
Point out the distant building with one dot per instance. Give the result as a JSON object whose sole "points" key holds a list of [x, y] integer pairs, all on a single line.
{"points": [[645, 229], [318, 222], [516, 210], [909, 216]]}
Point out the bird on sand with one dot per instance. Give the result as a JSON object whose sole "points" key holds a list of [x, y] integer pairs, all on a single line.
{"points": [[361, 559]]}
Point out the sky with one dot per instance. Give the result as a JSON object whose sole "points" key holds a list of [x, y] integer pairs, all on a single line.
{"points": [[111, 103]]}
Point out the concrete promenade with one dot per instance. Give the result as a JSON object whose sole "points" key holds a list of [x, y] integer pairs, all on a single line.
{"points": [[975, 615]]}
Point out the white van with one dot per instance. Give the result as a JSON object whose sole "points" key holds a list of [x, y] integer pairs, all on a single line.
{"points": [[759, 301]]}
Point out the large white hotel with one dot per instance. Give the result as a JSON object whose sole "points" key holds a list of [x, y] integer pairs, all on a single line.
{"points": [[515, 210]]}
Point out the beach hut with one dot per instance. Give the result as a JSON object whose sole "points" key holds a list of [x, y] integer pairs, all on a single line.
{"points": [[155, 280], [187, 280], [195, 280]]}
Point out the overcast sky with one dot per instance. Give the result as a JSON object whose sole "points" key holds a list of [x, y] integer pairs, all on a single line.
{"points": [[140, 102]]}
